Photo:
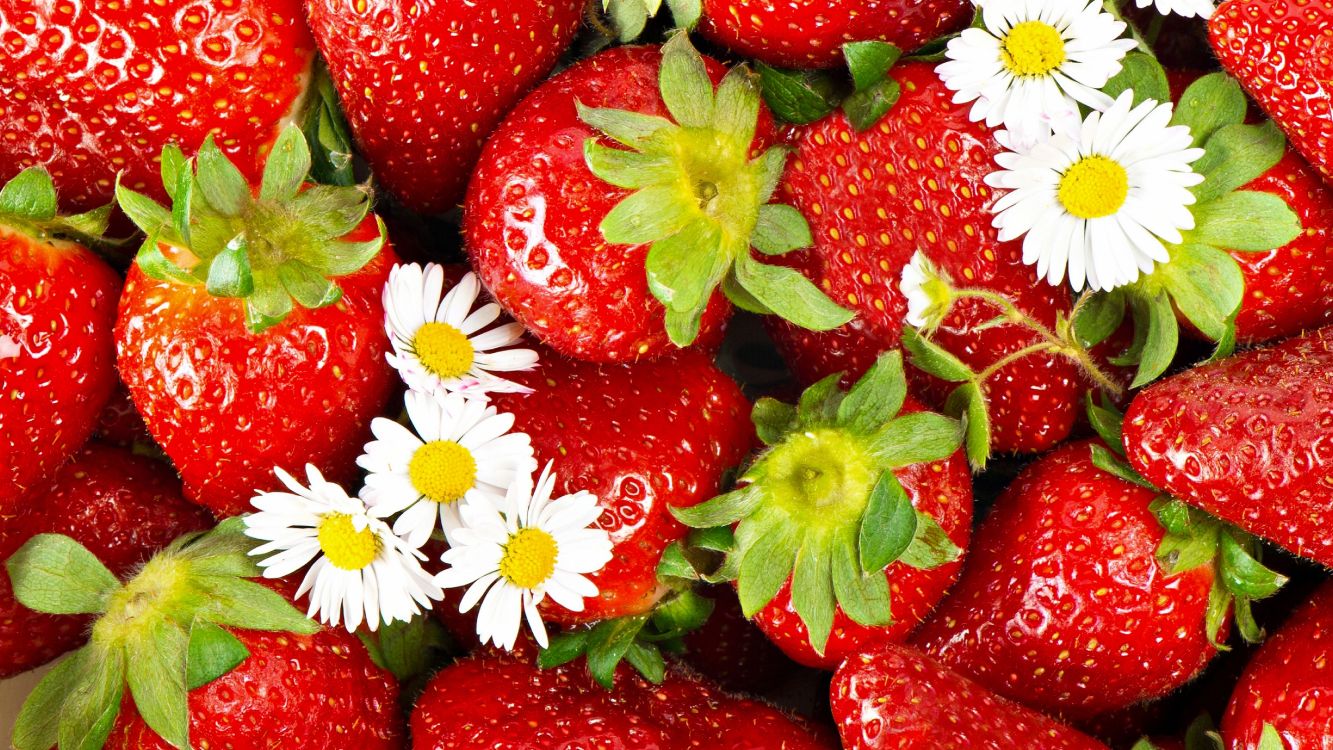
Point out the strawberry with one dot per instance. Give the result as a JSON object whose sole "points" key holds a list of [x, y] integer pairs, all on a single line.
{"points": [[119, 423], [253, 336], [57, 357], [1245, 439], [587, 184], [1284, 689], [1277, 49], [122, 507], [189, 653], [810, 33], [893, 697], [851, 522], [95, 90], [732, 652], [423, 85]]}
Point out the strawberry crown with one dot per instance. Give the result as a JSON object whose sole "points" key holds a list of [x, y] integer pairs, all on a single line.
{"points": [[801, 97], [275, 249], [1194, 538], [629, 17], [28, 204], [701, 202], [822, 505], [161, 634]]}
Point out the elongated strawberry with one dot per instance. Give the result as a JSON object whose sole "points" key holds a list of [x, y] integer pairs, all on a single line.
{"points": [[424, 85], [251, 326], [1245, 439], [612, 231], [95, 90], [122, 507], [850, 525], [810, 33], [893, 697], [57, 356]]}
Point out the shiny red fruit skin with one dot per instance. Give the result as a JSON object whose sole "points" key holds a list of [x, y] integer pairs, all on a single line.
{"points": [[1062, 604], [894, 697], [810, 33], [1246, 439], [1279, 50], [228, 406], [914, 182], [1288, 683], [423, 84], [297, 692], [57, 357], [122, 507], [91, 89], [533, 210], [641, 438], [942, 489]]}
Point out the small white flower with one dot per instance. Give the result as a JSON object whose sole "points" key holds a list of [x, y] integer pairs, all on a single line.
{"points": [[439, 346], [929, 295], [1102, 204], [460, 448], [361, 570], [1186, 8], [1034, 63], [513, 554]]}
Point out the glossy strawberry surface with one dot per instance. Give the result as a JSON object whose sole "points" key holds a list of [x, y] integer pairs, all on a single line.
{"points": [[228, 405], [641, 438], [810, 33], [914, 182], [93, 88], [423, 84], [894, 697], [1063, 605], [57, 357], [1246, 439]]}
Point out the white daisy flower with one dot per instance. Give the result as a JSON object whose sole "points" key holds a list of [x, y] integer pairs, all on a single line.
{"points": [[1100, 205], [361, 571], [929, 294], [439, 345], [1034, 63], [1186, 8], [460, 448], [513, 553]]}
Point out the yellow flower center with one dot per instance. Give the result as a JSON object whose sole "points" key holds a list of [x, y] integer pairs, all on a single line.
{"points": [[1033, 48], [442, 471], [443, 350], [529, 558], [344, 546], [1094, 187]]}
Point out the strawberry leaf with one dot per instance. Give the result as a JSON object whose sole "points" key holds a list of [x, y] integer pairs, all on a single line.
{"points": [[934, 359], [1235, 155], [798, 96], [1242, 573], [627, 169], [628, 18], [864, 597], [408, 649], [870, 62], [888, 526], [1210, 103], [220, 183], [229, 273], [647, 660], [721, 510], [1155, 321], [773, 420], [156, 672], [1206, 285], [563, 649], [90, 709], [30, 197], [54, 574], [244, 604], [1247, 221], [212, 652], [812, 590], [37, 726], [968, 403], [765, 567], [866, 107], [919, 437], [1111, 464], [877, 397], [790, 295], [685, 12], [819, 403], [780, 230], [1098, 316], [287, 166], [686, 88], [1142, 74], [1106, 421], [930, 547], [607, 645], [328, 138]]}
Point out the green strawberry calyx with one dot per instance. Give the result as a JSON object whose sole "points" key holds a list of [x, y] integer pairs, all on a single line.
{"points": [[28, 204], [629, 17], [701, 202], [821, 505], [1194, 538], [867, 94], [273, 248], [159, 635]]}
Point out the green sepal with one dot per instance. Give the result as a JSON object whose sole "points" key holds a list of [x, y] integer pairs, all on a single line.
{"points": [[229, 273], [54, 574], [685, 86], [790, 295], [1246, 220], [674, 564], [721, 510], [245, 604], [1142, 74], [714, 539], [327, 135], [773, 420], [780, 230], [968, 403], [37, 726], [877, 397], [89, 711], [798, 96], [647, 660], [630, 129], [1106, 420], [1209, 104], [741, 298], [1206, 285], [1111, 464], [156, 673], [765, 567], [919, 437], [220, 183], [408, 650], [812, 589], [864, 597], [931, 546], [1235, 155], [934, 359], [1099, 316], [626, 169], [1157, 334], [888, 526], [1269, 739], [867, 107], [213, 652], [819, 403], [875, 92], [287, 166], [30, 196], [1242, 572], [628, 17], [1202, 734]]}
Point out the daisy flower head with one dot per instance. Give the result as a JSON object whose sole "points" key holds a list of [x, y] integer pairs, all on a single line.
{"points": [[441, 344], [1186, 8], [514, 553], [1100, 206], [457, 448], [361, 571], [1034, 62], [929, 293]]}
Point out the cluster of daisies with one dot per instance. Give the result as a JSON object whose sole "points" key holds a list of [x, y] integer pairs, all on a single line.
{"points": [[455, 472], [1096, 198]]}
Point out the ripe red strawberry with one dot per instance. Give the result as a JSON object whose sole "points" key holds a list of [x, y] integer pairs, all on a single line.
{"points": [[236, 366], [1278, 50], [732, 652], [894, 697], [423, 85], [1287, 683], [1246, 439], [608, 230], [122, 507], [639, 437], [57, 357], [810, 33], [491, 700], [95, 90], [913, 182]]}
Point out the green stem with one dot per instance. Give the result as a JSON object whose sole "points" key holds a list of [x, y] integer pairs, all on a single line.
{"points": [[1013, 357]]}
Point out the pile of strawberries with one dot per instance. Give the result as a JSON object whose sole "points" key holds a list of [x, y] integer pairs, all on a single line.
{"points": [[555, 374]]}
